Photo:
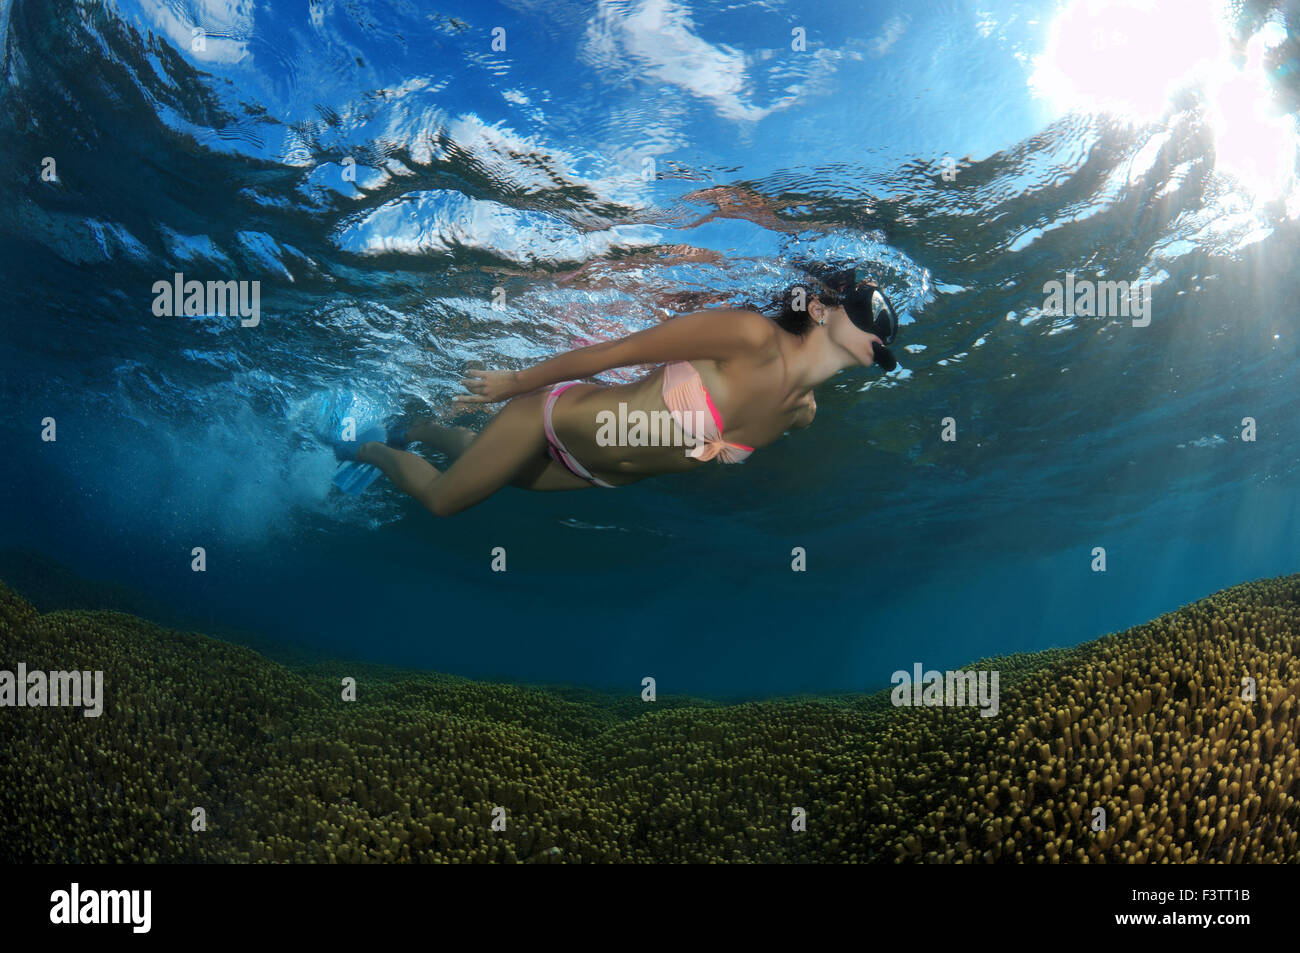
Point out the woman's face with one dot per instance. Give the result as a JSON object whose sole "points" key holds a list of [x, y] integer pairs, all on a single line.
{"points": [[850, 337]]}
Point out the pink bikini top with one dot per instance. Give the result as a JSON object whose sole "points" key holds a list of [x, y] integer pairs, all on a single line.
{"points": [[690, 404]]}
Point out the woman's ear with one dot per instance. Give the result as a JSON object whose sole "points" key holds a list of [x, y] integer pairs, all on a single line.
{"points": [[816, 311]]}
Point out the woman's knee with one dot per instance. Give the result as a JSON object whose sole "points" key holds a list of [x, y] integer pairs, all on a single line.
{"points": [[437, 502], [444, 508], [510, 444]]}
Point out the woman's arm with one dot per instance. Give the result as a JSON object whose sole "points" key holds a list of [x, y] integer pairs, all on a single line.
{"points": [[719, 335]]}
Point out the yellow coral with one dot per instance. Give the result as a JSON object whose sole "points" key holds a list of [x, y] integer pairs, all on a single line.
{"points": [[1150, 726]]}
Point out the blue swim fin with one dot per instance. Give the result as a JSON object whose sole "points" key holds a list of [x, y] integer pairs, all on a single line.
{"points": [[352, 477]]}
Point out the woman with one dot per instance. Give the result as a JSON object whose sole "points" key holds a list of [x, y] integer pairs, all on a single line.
{"points": [[737, 366]]}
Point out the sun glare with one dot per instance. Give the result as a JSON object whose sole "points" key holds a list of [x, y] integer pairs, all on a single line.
{"points": [[1127, 58], [1253, 140]]}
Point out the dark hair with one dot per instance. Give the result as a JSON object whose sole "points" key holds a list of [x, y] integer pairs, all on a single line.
{"points": [[793, 315]]}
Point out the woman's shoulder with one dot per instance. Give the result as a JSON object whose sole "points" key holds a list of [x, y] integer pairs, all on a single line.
{"points": [[755, 328]]}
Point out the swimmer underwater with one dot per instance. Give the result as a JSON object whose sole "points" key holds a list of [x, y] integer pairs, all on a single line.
{"points": [[755, 372]]}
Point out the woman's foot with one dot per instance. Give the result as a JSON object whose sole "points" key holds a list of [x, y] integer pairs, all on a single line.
{"points": [[346, 450]]}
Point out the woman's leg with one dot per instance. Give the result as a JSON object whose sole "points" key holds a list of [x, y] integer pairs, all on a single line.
{"points": [[410, 473], [453, 441], [543, 474], [510, 447]]}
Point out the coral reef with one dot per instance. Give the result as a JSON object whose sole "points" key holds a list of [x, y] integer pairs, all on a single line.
{"points": [[1150, 726]]}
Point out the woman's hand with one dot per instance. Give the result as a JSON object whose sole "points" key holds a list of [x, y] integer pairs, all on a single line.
{"points": [[489, 387]]}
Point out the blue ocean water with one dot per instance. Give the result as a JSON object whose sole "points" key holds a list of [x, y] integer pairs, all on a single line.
{"points": [[418, 189]]}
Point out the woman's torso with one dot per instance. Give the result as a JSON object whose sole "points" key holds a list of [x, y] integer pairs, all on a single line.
{"points": [[599, 424]]}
